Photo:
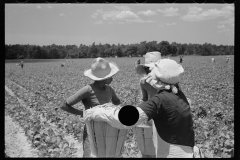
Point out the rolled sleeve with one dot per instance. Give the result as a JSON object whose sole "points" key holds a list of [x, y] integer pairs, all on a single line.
{"points": [[78, 96], [151, 107]]}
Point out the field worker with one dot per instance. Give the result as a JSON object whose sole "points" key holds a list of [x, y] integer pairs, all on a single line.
{"points": [[228, 59], [97, 93], [173, 123], [21, 64], [147, 89], [181, 59], [144, 69], [213, 60]]}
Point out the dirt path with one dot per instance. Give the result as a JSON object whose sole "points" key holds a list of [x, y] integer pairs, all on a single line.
{"points": [[16, 143]]}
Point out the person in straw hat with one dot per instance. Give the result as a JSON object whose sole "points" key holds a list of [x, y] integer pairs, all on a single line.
{"points": [[173, 134], [227, 59], [147, 89], [144, 69], [181, 59], [97, 93], [21, 64], [150, 58]]}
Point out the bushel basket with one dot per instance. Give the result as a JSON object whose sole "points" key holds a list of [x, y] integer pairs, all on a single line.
{"points": [[144, 138], [105, 140]]}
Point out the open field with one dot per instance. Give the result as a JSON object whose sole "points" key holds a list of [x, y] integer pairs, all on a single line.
{"points": [[39, 88]]}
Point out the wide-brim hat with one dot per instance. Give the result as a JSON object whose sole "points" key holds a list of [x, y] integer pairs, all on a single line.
{"points": [[101, 69], [168, 71], [151, 58]]}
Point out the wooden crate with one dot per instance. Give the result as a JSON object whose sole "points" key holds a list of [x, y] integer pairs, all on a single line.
{"points": [[144, 138], [105, 140]]}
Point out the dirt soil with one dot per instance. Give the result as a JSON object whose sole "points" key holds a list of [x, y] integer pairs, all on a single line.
{"points": [[16, 143]]}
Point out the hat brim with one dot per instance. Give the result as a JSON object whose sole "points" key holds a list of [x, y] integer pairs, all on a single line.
{"points": [[147, 65], [167, 75], [114, 70]]}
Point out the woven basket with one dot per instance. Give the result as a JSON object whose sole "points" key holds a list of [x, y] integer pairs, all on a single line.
{"points": [[144, 135], [105, 140]]}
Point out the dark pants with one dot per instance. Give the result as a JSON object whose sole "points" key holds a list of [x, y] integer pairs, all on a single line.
{"points": [[148, 156], [86, 144]]}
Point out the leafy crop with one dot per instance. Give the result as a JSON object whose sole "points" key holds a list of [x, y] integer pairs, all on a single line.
{"points": [[44, 86]]}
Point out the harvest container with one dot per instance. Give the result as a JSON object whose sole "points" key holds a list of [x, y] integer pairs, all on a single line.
{"points": [[144, 138], [105, 140]]}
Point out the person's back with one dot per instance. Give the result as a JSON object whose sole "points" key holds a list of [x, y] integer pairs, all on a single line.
{"points": [[91, 96], [94, 94], [147, 90], [173, 125]]}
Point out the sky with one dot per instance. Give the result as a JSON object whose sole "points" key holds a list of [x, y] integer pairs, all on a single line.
{"points": [[69, 24]]}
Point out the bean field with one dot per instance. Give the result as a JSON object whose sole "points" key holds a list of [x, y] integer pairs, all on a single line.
{"points": [[40, 88]]}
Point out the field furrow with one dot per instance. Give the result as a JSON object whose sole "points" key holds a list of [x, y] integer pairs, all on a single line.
{"points": [[210, 86], [44, 133]]}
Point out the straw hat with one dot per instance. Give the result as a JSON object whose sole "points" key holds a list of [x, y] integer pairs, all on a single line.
{"points": [[151, 58], [101, 69], [167, 71]]}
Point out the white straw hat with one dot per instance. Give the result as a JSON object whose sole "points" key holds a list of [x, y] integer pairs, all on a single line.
{"points": [[167, 71], [101, 69], [151, 58]]}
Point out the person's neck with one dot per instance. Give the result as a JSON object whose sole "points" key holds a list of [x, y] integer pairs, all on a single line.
{"points": [[99, 85]]}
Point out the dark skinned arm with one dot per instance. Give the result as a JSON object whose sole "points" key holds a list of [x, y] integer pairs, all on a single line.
{"points": [[66, 107]]}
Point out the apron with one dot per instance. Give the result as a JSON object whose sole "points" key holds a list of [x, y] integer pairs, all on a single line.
{"points": [[164, 149]]}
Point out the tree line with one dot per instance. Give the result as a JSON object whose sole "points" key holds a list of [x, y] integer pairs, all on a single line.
{"points": [[53, 51]]}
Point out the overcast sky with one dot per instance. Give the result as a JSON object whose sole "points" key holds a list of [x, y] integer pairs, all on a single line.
{"points": [[68, 24]]}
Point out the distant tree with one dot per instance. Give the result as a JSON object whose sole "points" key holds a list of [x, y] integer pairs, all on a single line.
{"points": [[18, 51], [141, 48], [72, 51], [108, 52], [116, 50], [131, 50], [82, 51], [165, 48], [62, 52], [179, 49], [152, 46], [100, 50], [206, 49], [173, 49], [10, 52], [92, 52]]}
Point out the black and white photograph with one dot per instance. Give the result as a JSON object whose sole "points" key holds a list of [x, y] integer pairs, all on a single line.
{"points": [[119, 80]]}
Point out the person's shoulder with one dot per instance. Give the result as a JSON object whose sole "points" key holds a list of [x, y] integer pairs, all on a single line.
{"points": [[142, 80], [165, 94], [87, 88], [169, 95]]}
